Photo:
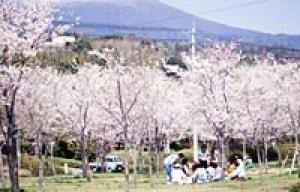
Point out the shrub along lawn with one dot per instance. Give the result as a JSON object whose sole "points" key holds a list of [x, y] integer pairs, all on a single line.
{"points": [[114, 183]]}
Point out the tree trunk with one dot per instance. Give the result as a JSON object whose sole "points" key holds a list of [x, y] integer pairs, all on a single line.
{"points": [[244, 148], [222, 156], [284, 161], [85, 166], [140, 159], [278, 150], [84, 155], [157, 146], [157, 163], [167, 147], [150, 162], [195, 145], [13, 158], [1, 169], [19, 150], [259, 163], [295, 154], [102, 160], [126, 184], [266, 156], [52, 159], [41, 161], [12, 135], [135, 159]]}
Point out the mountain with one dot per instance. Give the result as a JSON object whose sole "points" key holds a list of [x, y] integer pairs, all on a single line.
{"points": [[156, 20]]}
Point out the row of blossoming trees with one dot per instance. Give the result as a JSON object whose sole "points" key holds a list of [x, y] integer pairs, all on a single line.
{"points": [[219, 95], [223, 100]]}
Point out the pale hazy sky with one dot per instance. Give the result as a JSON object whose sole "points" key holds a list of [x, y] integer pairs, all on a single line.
{"points": [[272, 16]]}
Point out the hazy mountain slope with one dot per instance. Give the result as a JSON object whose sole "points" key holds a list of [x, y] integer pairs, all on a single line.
{"points": [[100, 17]]}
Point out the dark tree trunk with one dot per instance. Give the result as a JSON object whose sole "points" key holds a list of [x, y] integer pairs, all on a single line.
{"points": [[295, 154], [13, 162], [12, 132], [1, 168], [12, 143], [244, 148]]}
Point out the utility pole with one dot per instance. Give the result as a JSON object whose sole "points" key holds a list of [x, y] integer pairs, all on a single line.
{"points": [[195, 132], [194, 41]]}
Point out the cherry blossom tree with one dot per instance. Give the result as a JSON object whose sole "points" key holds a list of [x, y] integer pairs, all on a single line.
{"points": [[79, 112], [24, 27], [36, 111]]}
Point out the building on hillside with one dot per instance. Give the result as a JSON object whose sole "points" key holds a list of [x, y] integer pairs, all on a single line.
{"points": [[60, 41]]}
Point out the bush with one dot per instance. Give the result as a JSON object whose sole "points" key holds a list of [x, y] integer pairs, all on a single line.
{"points": [[82, 45], [65, 148], [295, 188], [67, 67], [176, 146], [31, 163], [98, 61]]}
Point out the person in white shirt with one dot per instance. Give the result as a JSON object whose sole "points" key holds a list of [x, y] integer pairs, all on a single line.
{"points": [[178, 176], [200, 174], [168, 165], [203, 154], [239, 173], [186, 170], [214, 172]]}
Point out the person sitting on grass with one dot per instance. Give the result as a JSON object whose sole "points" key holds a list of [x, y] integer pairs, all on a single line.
{"points": [[239, 174], [169, 161], [186, 170], [185, 167], [214, 172], [230, 168], [200, 173], [178, 176]]}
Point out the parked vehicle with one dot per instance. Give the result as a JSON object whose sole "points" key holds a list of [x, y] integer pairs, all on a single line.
{"points": [[112, 164]]}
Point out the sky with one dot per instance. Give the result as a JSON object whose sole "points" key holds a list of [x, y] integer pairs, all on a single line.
{"points": [[271, 16]]}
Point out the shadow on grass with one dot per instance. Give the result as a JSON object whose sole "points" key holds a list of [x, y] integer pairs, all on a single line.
{"points": [[10, 190]]}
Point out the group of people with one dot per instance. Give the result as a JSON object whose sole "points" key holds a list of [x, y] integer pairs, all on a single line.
{"points": [[180, 171]]}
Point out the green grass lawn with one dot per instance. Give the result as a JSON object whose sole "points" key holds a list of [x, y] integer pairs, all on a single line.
{"points": [[114, 183]]}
